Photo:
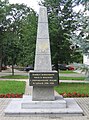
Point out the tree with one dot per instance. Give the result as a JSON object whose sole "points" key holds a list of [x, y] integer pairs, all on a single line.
{"points": [[18, 19], [81, 35], [61, 25], [15, 14], [28, 39], [3, 25]]}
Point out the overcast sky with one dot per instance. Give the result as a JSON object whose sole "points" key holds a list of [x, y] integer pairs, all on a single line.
{"points": [[32, 3]]}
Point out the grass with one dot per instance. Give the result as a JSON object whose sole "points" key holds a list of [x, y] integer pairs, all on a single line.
{"points": [[12, 87], [67, 72], [26, 77], [15, 77], [82, 88], [71, 78]]}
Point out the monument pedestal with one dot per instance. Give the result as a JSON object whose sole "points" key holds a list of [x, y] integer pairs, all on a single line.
{"points": [[43, 83], [59, 103], [26, 107], [43, 93]]}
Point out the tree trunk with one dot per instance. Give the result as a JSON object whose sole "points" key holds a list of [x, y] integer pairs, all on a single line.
{"points": [[0, 59], [12, 69], [56, 68], [87, 78], [12, 65], [0, 64]]}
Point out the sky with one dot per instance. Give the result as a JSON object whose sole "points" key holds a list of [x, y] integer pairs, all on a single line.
{"points": [[32, 3]]}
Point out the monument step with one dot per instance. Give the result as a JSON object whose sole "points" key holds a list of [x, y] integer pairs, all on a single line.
{"points": [[15, 109], [27, 103]]}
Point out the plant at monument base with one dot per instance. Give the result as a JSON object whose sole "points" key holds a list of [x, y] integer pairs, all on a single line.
{"points": [[74, 94], [11, 95]]}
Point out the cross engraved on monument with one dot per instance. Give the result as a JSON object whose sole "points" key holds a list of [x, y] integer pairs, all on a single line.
{"points": [[43, 79]]}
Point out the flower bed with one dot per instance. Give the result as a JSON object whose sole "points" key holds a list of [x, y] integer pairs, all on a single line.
{"points": [[11, 95], [74, 94]]}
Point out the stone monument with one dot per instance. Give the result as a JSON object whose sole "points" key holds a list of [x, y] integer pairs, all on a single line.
{"points": [[43, 102], [43, 78]]}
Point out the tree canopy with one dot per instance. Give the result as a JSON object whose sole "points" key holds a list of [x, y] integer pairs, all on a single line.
{"points": [[81, 35], [61, 25], [18, 31], [18, 34]]}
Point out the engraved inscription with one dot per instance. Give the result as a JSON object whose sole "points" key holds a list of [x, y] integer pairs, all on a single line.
{"points": [[43, 79]]}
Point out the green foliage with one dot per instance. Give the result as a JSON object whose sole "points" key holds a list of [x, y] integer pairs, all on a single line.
{"points": [[18, 31], [81, 36], [17, 34], [12, 87], [28, 40], [3, 24], [21, 32], [61, 25]]}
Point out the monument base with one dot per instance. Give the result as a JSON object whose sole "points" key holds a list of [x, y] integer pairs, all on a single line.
{"points": [[59, 102], [26, 107], [43, 93]]}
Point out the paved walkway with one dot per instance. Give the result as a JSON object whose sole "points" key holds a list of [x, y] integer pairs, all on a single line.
{"points": [[16, 72], [73, 81]]}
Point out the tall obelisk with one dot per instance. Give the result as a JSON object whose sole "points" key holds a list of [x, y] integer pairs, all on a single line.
{"points": [[43, 56], [43, 78]]}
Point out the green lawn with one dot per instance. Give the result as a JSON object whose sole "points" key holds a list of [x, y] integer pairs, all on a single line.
{"points": [[82, 88], [26, 77], [67, 72], [15, 77], [19, 87], [71, 78], [12, 87]]}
